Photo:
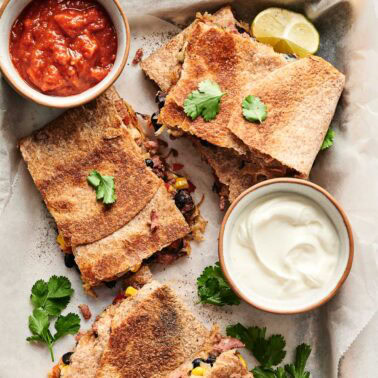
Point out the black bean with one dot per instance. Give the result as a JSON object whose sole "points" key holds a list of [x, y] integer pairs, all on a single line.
{"points": [[67, 358], [110, 284], [69, 260], [197, 362], [182, 198], [160, 99], [205, 143], [149, 163], [210, 360], [154, 121]]}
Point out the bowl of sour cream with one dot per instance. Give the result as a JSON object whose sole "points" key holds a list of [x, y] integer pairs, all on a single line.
{"points": [[286, 246]]}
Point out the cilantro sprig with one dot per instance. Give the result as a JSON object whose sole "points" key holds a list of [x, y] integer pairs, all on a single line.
{"points": [[214, 289], [104, 185], [328, 139], [254, 110], [205, 101], [267, 351], [49, 299], [270, 352]]}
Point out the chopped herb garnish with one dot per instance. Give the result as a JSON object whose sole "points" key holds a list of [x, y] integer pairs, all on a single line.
{"points": [[214, 289], [254, 110], [104, 186], [49, 299], [205, 101], [270, 352], [328, 139]]}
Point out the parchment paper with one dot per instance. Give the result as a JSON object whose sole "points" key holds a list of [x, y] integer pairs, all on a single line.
{"points": [[348, 170]]}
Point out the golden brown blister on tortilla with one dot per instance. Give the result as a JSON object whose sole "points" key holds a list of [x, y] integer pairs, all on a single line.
{"points": [[61, 155]]}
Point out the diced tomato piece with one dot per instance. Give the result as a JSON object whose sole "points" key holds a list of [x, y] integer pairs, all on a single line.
{"points": [[177, 166]]}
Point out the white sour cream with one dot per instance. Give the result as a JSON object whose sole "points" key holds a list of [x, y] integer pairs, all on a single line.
{"points": [[283, 247]]}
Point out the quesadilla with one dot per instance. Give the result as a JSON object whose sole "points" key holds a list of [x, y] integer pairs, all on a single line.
{"points": [[61, 155], [237, 64], [164, 65], [227, 58], [107, 241], [151, 334]]}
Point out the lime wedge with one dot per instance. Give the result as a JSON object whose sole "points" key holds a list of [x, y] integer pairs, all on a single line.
{"points": [[287, 32]]}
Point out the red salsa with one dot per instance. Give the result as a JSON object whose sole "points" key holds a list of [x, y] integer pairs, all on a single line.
{"points": [[63, 47]]}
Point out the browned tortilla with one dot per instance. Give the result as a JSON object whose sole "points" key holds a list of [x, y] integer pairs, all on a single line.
{"points": [[114, 255], [301, 99], [164, 65], [225, 58], [60, 157], [148, 335]]}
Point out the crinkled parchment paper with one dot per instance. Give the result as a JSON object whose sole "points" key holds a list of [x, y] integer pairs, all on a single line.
{"points": [[348, 170]]}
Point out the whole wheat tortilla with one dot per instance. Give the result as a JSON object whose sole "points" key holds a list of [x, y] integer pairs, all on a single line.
{"points": [[164, 66], [301, 99], [61, 155], [126, 248], [136, 336], [224, 57]]}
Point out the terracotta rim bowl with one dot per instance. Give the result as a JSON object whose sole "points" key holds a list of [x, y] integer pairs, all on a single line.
{"points": [[11, 9], [331, 207]]}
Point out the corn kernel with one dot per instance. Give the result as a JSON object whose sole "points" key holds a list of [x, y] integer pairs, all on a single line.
{"points": [[181, 183], [135, 268], [130, 291], [64, 370], [60, 241], [198, 371], [242, 360]]}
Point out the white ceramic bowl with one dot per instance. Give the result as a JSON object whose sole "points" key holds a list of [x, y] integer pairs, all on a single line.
{"points": [[331, 208], [11, 9]]}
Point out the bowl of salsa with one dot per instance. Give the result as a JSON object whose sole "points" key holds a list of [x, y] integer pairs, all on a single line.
{"points": [[63, 53]]}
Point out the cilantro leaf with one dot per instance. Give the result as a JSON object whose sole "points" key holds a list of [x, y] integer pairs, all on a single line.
{"points": [[280, 373], [38, 322], [260, 372], [104, 186], [54, 307], [268, 351], [254, 110], [53, 296], [67, 325], [297, 370], [39, 327], [204, 101], [39, 293], [49, 299], [214, 289], [328, 139], [59, 287]]}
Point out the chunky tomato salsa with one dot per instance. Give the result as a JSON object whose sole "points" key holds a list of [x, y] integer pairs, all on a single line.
{"points": [[63, 47]]}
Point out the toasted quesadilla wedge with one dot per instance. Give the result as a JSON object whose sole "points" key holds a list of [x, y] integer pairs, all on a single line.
{"points": [[60, 157], [227, 58], [301, 99], [105, 135], [232, 170], [152, 335], [126, 248], [164, 65], [238, 64]]}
